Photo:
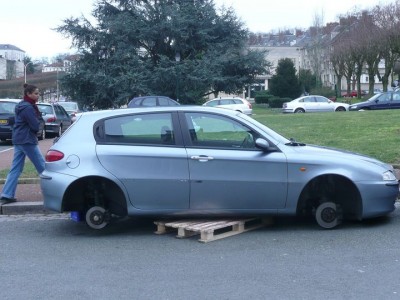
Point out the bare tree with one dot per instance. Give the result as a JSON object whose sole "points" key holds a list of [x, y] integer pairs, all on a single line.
{"points": [[387, 19]]}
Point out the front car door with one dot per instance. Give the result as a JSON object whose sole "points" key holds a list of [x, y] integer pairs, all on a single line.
{"points": [[382, 102], [324, 104], [309, 104], [145, 152], [227, 171]]}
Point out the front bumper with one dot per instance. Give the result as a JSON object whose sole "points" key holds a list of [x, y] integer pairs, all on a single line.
{"points": [[378, 198]]}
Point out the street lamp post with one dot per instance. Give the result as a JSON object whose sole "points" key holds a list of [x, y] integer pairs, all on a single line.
{"points": [[177, 59], [30, 62]]}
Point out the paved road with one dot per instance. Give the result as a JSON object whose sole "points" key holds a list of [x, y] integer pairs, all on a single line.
{"points": [[51, 257]]}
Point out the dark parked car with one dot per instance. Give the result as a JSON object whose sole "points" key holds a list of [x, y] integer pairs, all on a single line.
{"points": [[190, 161], [385, 100], [7, 119], [56, 118], [152, 101]]}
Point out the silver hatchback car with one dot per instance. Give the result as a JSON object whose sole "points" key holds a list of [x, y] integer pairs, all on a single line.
{"points": [[200, 161]]}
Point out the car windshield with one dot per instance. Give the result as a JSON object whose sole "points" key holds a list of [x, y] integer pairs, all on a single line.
{"points": [[69, 105], [7, 107], [45, 109], [373, 98], [276, 136]]}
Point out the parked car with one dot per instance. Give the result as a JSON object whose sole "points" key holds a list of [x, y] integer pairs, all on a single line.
{"points": [[71, 108], [385, 100], [152, 101], [353, 94], [57, 120], [7, 120], [313, 103], [237, 104], [199, 161]]}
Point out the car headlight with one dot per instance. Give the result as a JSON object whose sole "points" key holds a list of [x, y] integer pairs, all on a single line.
{"points": [[353, 107], [388, 176]]}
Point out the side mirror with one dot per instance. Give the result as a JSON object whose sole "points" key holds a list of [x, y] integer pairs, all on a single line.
{"points": [[262, 144]]}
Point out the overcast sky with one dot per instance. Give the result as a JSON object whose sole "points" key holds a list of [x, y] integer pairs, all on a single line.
{"points": [[28, 24]]}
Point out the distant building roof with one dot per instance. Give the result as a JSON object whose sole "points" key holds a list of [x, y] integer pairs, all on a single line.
{"points": [[10, 47]]}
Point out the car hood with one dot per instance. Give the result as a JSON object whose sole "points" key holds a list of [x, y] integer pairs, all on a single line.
{"points": [[340, 155], [362, 103]]}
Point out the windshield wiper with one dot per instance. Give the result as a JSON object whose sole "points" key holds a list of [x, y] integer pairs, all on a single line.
{"points": [[294, 143]]}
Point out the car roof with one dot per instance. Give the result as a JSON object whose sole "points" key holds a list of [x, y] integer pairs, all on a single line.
{"points": [[98, 114], [11, 100], [227, 98]]}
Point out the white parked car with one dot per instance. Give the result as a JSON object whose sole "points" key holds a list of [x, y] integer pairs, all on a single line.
{"points": [[237, 104], [313, 103]]}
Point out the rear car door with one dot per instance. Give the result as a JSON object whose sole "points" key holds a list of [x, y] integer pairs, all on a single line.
{"points": [[145, 152], [395, 103], [227, 171]]}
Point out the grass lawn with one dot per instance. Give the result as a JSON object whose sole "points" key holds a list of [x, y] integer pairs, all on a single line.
{"points": [[373, 133]]}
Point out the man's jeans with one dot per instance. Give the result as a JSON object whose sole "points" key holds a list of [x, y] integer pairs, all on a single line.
{"points": [[17, 166]]}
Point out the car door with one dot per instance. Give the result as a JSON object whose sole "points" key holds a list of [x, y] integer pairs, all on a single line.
{"points": [[309, 104], [227, 171], [144, 152], [324, 104], [395, 103], [382, 102]]}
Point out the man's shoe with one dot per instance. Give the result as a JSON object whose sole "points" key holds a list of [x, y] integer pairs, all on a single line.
{"points": [[5, 200]]}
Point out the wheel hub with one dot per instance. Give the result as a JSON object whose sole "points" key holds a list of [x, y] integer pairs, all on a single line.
{"points": [[328, 214]]}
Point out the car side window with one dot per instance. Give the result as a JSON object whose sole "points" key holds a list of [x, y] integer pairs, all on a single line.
{"points": [[321, 100], [63, 112], [216, 131], [396, 97], [143, 129], [58, 111], [309, 99]]}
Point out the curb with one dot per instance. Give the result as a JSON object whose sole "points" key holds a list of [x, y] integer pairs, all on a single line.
{"points": [[20, 208]]}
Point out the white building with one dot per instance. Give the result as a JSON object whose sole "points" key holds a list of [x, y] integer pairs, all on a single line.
{"points": [[11, 62]]}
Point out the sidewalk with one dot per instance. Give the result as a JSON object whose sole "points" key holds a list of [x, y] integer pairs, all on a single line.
{"points": [[29, 195]]}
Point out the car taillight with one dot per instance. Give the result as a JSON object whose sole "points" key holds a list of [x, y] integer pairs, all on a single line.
{"points": [[54, 155], [51, 120]]}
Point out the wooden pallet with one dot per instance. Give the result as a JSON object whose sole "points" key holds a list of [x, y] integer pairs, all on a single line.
{"points": [[210, 230]]}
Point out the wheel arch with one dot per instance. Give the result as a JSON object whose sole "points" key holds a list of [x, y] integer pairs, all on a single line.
{"points": [[331, 187], [95, 190]]}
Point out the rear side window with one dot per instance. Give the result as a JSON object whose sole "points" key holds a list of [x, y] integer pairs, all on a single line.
{"points": [[45, 109], [150, 101], [143, 129]]}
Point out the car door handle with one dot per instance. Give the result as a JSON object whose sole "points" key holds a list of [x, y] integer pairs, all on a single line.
{"points": [[202, 158]]}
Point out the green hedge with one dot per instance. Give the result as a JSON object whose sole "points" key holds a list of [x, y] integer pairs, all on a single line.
{"points": [[262, 97], [277, 102]]}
